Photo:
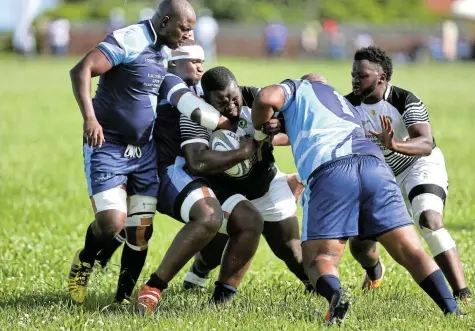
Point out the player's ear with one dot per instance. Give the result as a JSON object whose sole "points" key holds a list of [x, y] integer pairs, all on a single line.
{"points": [[172, 64], [165, 21], [383, 78]]}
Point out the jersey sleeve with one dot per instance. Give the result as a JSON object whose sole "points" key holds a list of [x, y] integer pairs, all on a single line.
{"points": [[249, 93], [170, 86], [289, 88], [414, 111], [124, 45], [192, 132]]}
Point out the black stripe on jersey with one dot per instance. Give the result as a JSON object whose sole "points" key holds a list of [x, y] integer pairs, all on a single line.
{"points": [[190, 130], [427, 188], [399, 162]]}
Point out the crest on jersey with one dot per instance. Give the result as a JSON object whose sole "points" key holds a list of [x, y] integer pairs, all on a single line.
{"points": [[242, 123], [373, 112]]}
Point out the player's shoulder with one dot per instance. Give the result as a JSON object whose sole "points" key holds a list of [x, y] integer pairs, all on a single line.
{"points": [[249, 93], [353, 99], [135, 37], [401, 99]]}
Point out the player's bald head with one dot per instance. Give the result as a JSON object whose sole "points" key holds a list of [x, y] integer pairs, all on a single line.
{"points": [[174, 22], [175, 8]]}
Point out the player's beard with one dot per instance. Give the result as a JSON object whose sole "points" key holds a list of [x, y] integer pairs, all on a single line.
{"points": [[369, 90]]}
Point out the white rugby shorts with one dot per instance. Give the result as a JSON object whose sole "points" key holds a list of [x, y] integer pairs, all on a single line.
{"points": [[427, 175], [279, 202]]}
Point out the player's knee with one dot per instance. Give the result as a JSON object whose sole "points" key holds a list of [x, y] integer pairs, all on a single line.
{"points": [[208, 213], [108, 224], [245, 218], [361, 247], [427, 210], [138, 226], [431, 220], [139, 236]]}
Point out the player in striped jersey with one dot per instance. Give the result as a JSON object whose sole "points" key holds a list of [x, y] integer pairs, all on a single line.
{"points": [[398, 122], [265, 185], [187, 197]]}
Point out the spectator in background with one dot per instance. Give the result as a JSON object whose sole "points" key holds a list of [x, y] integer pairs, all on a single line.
{"points": [[450, 34], [58, 36], [116, 19], [206, 30], [146, 13], [275, 37], [309, 37]]}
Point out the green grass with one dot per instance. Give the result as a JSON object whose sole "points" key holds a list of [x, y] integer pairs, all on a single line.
{"points": [[44, 212]]}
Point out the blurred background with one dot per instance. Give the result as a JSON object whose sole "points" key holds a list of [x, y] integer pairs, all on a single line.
{"points": [[411, 30]]}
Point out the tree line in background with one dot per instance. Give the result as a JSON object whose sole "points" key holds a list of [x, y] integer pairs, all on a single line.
{"points": [[289, 11]]}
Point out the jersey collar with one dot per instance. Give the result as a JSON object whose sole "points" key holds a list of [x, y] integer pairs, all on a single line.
{"points": [[387, 92], [153, 30]]}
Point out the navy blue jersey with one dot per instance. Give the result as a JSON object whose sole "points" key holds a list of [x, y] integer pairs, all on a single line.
{"points": [[167, 127], [127, 96]]}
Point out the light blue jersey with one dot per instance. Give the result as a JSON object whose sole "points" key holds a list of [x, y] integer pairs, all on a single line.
{"points": [[322, 126]]}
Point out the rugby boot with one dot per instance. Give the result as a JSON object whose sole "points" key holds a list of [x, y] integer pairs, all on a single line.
{"points": [[339, 306], [148, 300], [78, 278], [369, 284]]}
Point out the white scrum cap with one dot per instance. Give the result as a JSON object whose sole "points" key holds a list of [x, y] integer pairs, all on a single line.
{"points": [[187, 52]]}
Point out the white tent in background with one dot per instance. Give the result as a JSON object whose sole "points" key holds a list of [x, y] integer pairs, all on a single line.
{"points": [[464, 9]]}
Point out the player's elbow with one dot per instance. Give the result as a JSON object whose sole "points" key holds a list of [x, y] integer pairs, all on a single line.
{"points": [[427, 147]]}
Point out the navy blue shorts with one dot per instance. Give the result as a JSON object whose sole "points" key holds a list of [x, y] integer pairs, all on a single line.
{"points": [[108, 167], [354, 195], [175, 184]]}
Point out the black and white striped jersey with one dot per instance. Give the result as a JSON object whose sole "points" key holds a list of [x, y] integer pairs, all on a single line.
{"points": [[254, 184], [403, 109]]}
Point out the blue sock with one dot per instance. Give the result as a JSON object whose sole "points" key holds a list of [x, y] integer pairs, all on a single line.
{"points": [[327, 285], [434, 285]]}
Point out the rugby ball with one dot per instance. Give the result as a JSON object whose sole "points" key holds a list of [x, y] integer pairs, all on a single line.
{"points": [[225, 140]]}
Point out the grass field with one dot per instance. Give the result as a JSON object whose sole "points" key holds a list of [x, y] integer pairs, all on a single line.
{"points": [[44, 212]]}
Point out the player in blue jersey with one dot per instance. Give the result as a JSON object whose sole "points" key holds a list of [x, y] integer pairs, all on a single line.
{"points": [[188, 198], [349, 190], [119, 153]]}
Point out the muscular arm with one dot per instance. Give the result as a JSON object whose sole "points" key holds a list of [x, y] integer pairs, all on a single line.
{"points": [[269, 100], [202, 160], [420, 142], [92, 65], [196, 109]]}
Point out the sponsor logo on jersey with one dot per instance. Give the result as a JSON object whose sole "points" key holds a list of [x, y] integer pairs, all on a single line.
{"points": [[242, 123]]}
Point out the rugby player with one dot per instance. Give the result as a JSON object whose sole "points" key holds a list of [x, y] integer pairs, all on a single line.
{"points": [[265, 186], [188, 198], [119, 153], [398, 122], [346, 179]]}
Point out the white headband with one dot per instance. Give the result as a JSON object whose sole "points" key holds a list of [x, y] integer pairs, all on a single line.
{"points": [[187, 52]]}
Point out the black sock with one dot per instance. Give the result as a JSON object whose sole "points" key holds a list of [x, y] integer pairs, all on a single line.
{"points": [[223, 292], [131, 266], [156, 282], [434, 285], [374, 272], [463, 293], [327, 285], [308, 286], [91, 247], [200, 269], [109, 248]]}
